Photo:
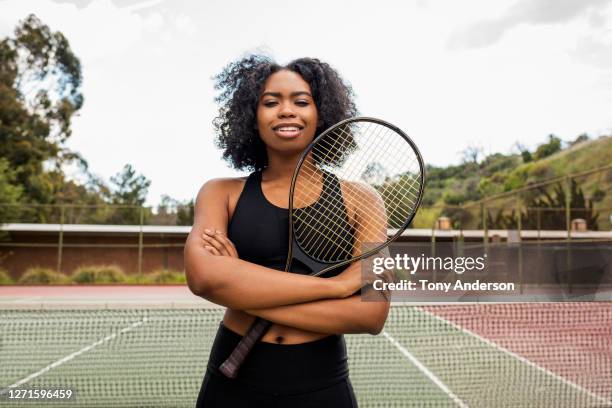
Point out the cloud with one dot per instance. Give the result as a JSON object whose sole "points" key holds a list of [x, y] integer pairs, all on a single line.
{"points": [[595, 50], [130, 4], [488, 32], [80, 4]]}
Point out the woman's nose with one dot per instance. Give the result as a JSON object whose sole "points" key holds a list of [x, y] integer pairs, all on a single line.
{"points": [[286, 111]]}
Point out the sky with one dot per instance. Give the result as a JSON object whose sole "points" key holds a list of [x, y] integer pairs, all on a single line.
{"points": [[451, 74]]}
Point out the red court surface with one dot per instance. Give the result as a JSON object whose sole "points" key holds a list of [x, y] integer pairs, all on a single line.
{"points": [[567, 340]]}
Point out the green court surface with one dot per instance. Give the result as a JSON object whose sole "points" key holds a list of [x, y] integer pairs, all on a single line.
{"points": [[437, 356]]}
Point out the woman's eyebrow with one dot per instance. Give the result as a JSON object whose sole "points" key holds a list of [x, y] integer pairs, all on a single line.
{"points": [[278, 94]]}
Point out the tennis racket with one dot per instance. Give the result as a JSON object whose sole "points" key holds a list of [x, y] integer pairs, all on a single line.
{"points": [[354, 182]]}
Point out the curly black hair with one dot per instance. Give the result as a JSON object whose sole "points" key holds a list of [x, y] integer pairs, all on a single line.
{"points": [[240, 84]]}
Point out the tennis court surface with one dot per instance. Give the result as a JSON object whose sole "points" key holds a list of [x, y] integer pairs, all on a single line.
{"points": [[117, 346]]}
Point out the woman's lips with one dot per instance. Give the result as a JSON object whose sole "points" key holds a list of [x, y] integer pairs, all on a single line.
{"points": [[288, 132]]}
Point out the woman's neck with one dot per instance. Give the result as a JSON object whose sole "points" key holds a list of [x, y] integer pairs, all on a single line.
{"points": [[280, 168]]}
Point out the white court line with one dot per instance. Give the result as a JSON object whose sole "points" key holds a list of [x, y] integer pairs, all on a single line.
{"points": [[522, 359], [73, 355], [21, 299], [425, 370]]}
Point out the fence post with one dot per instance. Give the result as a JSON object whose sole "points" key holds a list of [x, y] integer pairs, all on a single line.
{"points": [[485, 229], [568, 246], [519, 218], [568, 198], [140, 243], [519, 226], [60, 243], [539, 222], [433, 247]]}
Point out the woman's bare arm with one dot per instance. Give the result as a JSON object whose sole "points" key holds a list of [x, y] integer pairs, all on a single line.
{"points": [[231, 282], [330, 316]]}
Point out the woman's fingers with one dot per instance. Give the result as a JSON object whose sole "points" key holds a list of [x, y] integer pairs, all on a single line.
{"points": [[229, 245], [212, 250], [211, 240], [220, 242]]}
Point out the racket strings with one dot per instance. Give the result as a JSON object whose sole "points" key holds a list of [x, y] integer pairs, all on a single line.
{"points": [[321, 220], [337, 246], [411, 167], [400, 195], [395, 194], [372, 223], [321, 223]]}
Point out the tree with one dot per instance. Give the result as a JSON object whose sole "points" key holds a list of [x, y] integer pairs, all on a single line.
{"points": [[185, 214], [525, 153], [547, 149], [9, 194], [579, 139], [128, 190], [472, 154], [40, 79]]}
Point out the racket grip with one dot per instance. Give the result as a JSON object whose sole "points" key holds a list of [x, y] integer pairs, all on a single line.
{"points": [[231, 366]]}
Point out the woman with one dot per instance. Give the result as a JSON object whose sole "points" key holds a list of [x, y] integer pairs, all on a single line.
{"points": [[236, 251]]}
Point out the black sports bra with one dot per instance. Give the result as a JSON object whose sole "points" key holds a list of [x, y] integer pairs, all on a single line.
{"points": [[260, 230]]}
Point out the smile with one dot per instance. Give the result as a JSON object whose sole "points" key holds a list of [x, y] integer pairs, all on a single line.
{"points": [[288, 132]]}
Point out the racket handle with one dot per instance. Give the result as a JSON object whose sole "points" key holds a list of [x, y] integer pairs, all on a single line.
{"points": [[231, 366]]}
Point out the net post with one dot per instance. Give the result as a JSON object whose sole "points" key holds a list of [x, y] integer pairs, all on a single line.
{"points": [[60, 242]]}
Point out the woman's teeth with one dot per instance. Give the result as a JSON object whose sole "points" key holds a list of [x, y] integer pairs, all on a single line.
{"points": [[288, 130]]}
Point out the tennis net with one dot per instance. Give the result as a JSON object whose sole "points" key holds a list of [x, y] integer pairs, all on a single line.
{"points": [[476, 355]]}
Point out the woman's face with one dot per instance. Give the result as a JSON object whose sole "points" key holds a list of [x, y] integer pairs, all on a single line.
{"points": [[286, 113]]}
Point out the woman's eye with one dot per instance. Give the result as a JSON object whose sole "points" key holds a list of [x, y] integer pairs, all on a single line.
{"points": [[301, 103], [269, 103]]}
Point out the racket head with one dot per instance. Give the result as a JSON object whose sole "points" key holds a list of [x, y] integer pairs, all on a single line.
{"points": [[359, 162]]}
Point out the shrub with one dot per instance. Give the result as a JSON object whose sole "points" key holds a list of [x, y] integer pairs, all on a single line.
{"points": [[99, 274], [164, 276], [549, 148], [84, 274], [110, 274], [526, 156], [5, 278], [42, 276]]}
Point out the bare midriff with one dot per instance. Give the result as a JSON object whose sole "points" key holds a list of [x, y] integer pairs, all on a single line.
{"points": [[240, 322]]}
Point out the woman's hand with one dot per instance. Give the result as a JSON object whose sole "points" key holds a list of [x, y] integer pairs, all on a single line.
{"points": [[217, 243], [350, 280], [358, 275]]}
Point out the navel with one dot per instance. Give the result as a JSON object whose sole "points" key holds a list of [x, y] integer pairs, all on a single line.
{"points": [[279, 339]]}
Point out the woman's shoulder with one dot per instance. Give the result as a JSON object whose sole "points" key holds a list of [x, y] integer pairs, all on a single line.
{"points": [[224, 186]]}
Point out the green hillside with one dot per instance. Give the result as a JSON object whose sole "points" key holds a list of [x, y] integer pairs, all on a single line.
{"points": [[453, 190]]}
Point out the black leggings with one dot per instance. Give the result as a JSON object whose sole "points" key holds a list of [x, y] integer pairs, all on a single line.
{"points": [[313, 374]]}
